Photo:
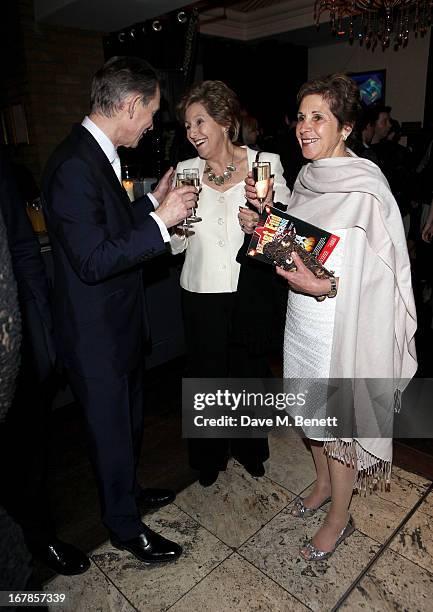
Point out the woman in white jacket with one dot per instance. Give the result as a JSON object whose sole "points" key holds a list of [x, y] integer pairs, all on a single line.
{"points": [[209, 279]]}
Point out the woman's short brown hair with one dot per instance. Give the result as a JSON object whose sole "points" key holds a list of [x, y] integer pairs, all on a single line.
{"points": [[340, 92], [220, 102]]}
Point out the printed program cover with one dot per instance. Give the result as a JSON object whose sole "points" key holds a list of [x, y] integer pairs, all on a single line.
{"points": [[274, 223]]}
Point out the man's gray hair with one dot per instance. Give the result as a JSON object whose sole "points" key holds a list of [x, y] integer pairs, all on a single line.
{"points": [[118, 78]]}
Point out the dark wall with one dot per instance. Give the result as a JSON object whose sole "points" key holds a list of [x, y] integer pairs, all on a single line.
{"points": [[172, 51], [47, 70], [266, 75], [428, 108]]}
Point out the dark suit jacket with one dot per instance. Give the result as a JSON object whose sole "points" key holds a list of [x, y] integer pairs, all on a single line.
{"points": [[99, 241], [29, 271]]}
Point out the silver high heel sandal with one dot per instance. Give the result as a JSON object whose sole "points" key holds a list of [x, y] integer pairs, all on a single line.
{"points": [[314, 554], [300, 510]]}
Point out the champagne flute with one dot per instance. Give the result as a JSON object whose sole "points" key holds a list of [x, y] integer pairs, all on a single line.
{"points": [[262, 178], [36, 215], [182, 180], [193, 175]]}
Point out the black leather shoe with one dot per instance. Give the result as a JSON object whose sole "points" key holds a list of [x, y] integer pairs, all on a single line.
{"points": [[155, 498], [256, 469], [208, 477], [63, 558], [149, 547]]}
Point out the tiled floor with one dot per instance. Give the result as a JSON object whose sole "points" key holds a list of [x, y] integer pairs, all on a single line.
{"points": [[241, 550]]}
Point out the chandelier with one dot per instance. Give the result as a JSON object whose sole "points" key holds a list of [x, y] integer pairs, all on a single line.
{"points": [[374, 22]]}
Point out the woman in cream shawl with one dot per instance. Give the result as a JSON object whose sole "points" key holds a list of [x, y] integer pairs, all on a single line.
{"points": [[365, 327]]}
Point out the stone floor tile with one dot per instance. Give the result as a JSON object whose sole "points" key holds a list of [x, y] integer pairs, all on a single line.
{"points": [[376, 516], [418, 480], [237, 586], [393, 583], [427, 505], [157, 587], [89, 592], [236, 506], [275, 551], [291, 464], [415, 540], [405, 488]]}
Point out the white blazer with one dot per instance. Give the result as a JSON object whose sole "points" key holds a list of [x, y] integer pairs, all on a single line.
{"points": [[210, 259]]}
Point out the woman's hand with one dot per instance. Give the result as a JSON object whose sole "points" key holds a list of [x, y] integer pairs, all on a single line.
{"points": [[251, 193], [248, 219], [304, 281]]}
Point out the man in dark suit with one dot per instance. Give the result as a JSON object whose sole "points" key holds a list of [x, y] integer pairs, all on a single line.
{"points": [[99, 241], [24, 435]]}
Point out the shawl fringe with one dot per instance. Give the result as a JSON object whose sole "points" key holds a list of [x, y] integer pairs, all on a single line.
{"points": [[397, 401], [372, 472]]}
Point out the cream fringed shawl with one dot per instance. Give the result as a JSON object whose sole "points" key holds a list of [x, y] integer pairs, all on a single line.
{"points": [[375, 317]]}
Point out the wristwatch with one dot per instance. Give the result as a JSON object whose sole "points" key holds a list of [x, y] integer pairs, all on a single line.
{"points": [[333, 292]]}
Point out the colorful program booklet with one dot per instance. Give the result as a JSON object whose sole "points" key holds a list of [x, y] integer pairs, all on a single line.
{"points": [[274, 223]]}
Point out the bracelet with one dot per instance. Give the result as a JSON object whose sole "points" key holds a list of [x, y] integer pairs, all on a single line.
{"points": [[333, 292]]}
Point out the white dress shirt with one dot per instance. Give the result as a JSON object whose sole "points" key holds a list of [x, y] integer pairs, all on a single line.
{"points": [[210, 259], [111, 152]]}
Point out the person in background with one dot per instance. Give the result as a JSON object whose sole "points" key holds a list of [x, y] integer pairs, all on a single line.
{"points": [[396, 163], [99, 243], [25, 433], [209, 280], [361, 141], [286, 146], [380, 117], [336, 337], [15, 560], [424, 175], [249, 131]]}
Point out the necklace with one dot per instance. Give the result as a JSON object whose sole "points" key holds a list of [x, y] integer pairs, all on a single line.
{"points": [[220, 179]]}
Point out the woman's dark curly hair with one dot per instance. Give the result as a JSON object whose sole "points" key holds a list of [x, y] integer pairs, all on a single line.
{"points": [[340, 92], [220, 102]]}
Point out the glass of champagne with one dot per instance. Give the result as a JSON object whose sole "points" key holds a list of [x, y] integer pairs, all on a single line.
{"points": [[182, 180], [193, 175], [262, 177], [36, 215]]}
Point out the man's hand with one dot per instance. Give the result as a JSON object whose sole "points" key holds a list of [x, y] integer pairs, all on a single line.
{"points": [[248, 219], [251, 193], [177, 205], [164, 185]]}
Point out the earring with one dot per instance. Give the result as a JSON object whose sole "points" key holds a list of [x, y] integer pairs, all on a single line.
{"points": [[344, 137]]}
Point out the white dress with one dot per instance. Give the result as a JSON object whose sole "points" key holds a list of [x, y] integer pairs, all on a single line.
{"points": [[308, 346], [373, 317], [310, 326]]}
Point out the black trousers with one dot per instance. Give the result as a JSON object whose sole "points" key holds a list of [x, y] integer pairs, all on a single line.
{"points": [[207, 320], [113, 409]]}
